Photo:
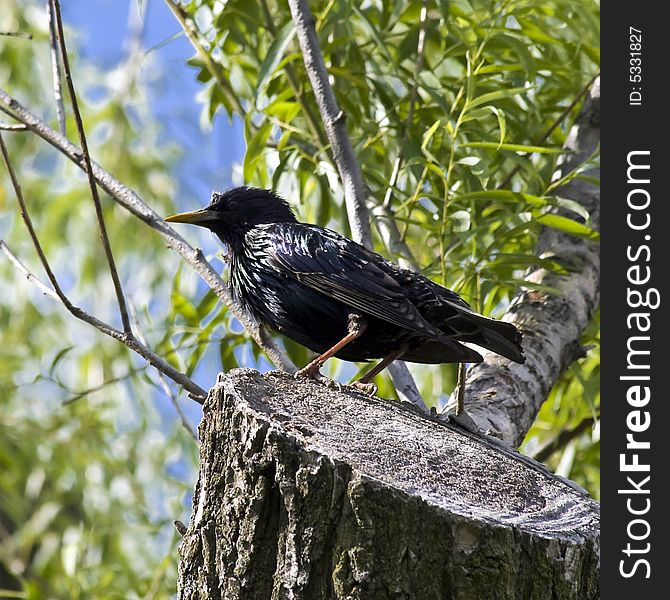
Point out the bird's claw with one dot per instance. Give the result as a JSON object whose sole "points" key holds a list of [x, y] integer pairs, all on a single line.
{"points": [[312, 372], [367, 388]]}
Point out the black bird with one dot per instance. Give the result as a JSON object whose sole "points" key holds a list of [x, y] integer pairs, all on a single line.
{"points": [[338, 298]]}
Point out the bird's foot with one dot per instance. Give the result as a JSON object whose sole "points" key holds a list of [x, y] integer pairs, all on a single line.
{"points": [[367, 388], [311, 371]]}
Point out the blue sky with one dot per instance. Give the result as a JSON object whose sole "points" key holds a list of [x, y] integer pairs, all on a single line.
{"points": [[102, 29]]}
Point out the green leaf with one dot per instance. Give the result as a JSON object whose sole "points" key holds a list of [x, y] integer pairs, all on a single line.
{"points": [[430, 133], [274, 55], [516, 147], [568, 226], [255, 147], [526, 61], [500, 115], [59, 356], [494, 96], [572, 205], [505, 196]]}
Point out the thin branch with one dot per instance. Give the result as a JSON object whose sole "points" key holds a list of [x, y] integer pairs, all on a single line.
{"points": [[197, 393], [23, 209], [56, 69], [388, 231], [345, 160], [76, 396], [182, 417], [45, 289], [308, 114], [9, 127], [104, 238], [385, 222], [127, 198], [562, 439], [19, 34], [334, 121], [383, 213]]}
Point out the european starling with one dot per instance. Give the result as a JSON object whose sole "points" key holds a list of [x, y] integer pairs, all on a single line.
{"points": [[338, 298]]}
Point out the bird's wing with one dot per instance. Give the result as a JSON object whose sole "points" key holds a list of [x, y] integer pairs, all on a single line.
{"points": [[341, 269]]}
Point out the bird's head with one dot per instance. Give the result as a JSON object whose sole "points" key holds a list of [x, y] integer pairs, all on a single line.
{"points": [[231, 214]]}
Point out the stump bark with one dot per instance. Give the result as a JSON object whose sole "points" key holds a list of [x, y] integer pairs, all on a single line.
{"points": [[310, 493]]}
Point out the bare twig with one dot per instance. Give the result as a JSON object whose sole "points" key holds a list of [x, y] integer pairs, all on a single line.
{"points": [[383, 213], [345, 160], [182, 417], [45, 289], [134, 204], [31, 229], [388, 231], [9, 127], [196, 392], [76, 396], [56, 69], [20, 34], [104, 238], [385, 222], [308, 114]]}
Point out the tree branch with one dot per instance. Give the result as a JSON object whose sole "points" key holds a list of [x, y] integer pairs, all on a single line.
{"points": [[334, 121], [345, 160], [420, 47], [55, 69], [135, 205], [104, 238], [503, 396], [196, 392], [45, 289], [9, 127]]}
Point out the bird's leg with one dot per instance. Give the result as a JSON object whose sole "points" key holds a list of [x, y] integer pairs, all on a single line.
{"points": [[364, 383], [355, 328]]}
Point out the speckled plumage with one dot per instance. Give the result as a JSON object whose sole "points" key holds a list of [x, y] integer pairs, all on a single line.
{"points": [[305, 281]]}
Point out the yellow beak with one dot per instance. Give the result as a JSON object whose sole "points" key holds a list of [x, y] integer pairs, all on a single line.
{"points": [[196, 217]]}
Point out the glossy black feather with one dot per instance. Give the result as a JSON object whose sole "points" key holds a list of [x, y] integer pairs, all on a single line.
{"points": [[304, 281]]}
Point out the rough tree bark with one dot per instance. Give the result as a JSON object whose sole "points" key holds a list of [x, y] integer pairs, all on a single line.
{"points": [[308, 493]]}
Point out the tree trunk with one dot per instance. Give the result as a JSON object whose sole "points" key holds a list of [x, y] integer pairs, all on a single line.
{"points": [[309, 493]]}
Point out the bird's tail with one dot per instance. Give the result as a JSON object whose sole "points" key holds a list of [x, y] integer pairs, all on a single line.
{"points": [[502, 338]]}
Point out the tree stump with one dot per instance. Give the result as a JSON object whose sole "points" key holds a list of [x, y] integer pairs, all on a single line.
{"points": [[309, 493]]}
